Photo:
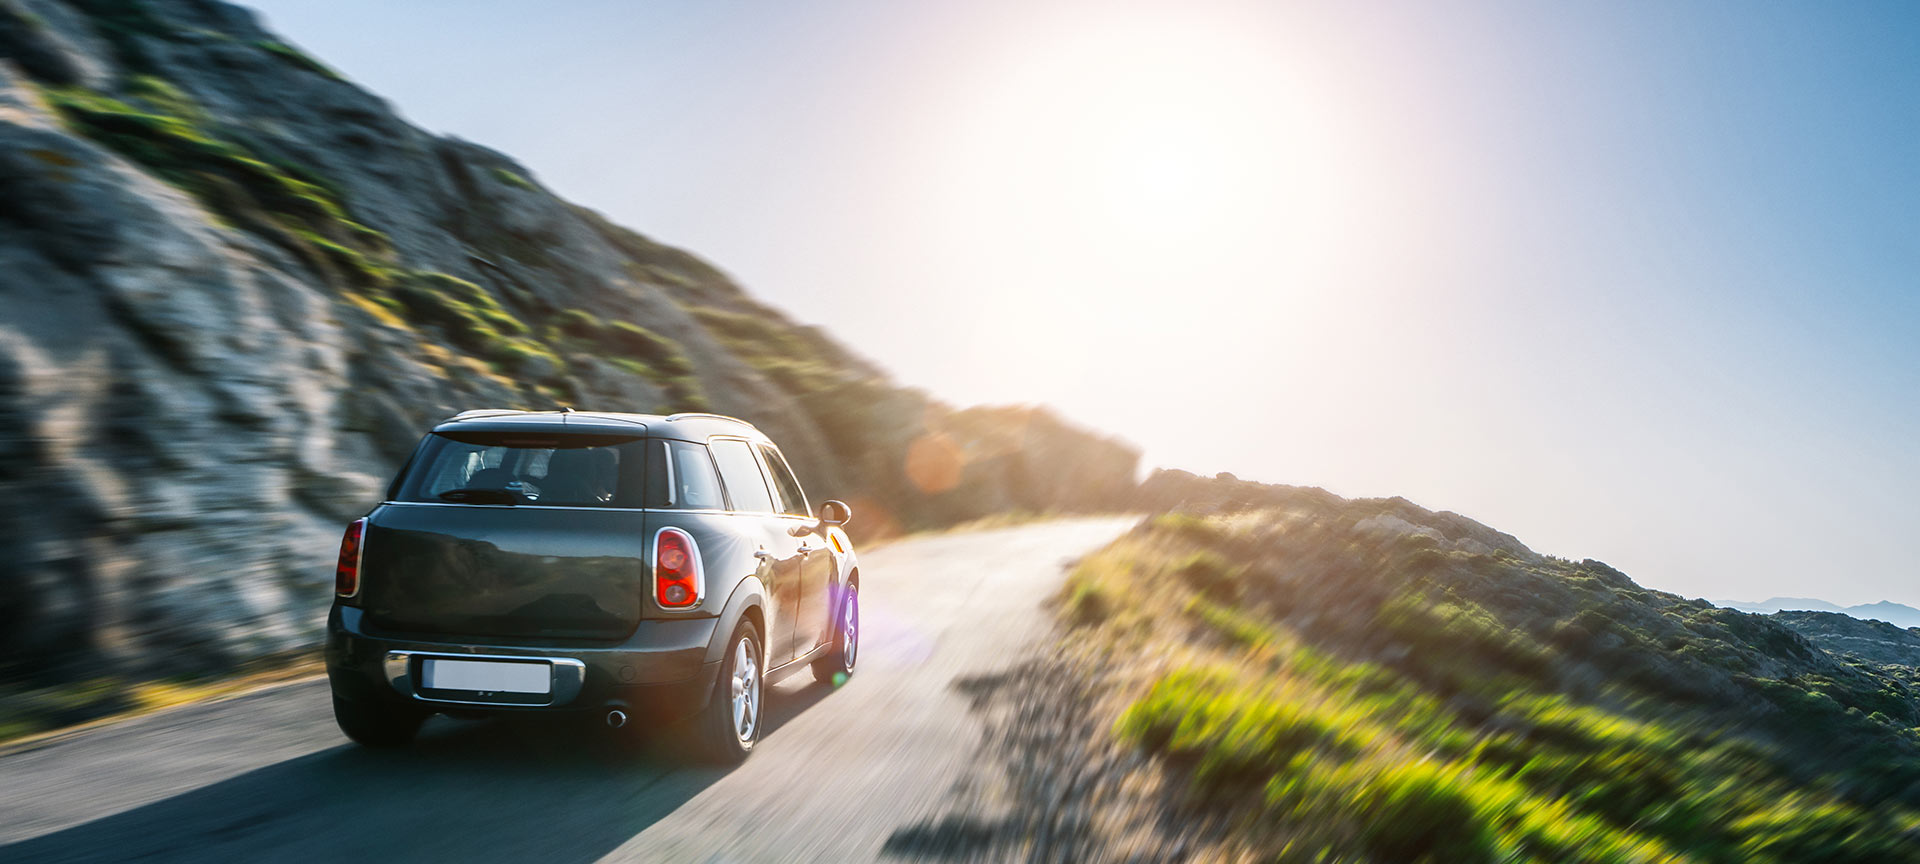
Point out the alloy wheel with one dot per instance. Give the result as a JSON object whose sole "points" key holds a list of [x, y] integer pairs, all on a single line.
{"points": [[745, 689]]}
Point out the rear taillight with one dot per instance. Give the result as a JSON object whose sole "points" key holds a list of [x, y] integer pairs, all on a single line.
{"points": [[676, 570], [346, 574]]}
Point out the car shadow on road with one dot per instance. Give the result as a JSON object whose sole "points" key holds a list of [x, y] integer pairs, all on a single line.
{"points": [[464, 791]]}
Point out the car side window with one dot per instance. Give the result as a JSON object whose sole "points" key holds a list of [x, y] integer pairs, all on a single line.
{"points": [[741, 474], [680, 477], [793, 502]]}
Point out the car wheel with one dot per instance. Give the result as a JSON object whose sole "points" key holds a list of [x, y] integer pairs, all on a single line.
{"points": [[730, 725], [373, 725], [839, 660]]}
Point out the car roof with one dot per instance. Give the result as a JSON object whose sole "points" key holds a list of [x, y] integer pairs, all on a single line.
{"points": [[689, 426]]}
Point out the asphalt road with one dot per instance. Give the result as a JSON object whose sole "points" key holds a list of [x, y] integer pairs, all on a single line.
{"points": [[266, 776]]}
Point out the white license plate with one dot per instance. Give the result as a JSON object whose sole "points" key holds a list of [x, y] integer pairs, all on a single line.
{"points": [[486, 677]]}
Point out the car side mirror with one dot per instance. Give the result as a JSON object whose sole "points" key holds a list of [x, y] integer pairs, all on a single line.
{"points": [[835, 513]]}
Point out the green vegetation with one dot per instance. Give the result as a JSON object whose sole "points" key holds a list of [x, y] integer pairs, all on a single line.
{"points": [[473, 320], [27, 710], [515, 180], [634, 349], [1433, 702], [167, 133]]}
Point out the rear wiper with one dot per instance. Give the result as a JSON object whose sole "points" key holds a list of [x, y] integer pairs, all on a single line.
{"points": [[481, 496]]}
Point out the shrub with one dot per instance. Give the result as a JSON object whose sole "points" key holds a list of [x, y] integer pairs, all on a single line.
{"points": [[648, 347], [1087, 604], [1209, 574], [469, 316], [1237, 738], [1799, 829], [525, 357], [515, 180], [1421, 811], [581, 324]]}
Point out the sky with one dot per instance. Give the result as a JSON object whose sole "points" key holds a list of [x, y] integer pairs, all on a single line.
{"points": [[1636, 281]]}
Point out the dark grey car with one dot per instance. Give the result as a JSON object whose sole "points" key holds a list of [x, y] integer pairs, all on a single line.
{"points": [[630, 566]]}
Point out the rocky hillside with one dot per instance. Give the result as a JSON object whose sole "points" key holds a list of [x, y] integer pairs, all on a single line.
{"points": [[1288, 675], [237, 288]]}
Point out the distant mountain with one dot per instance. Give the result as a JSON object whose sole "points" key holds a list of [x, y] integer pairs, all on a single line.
{"points": [[1778, 604], [1893, 613], [1896, 614]]}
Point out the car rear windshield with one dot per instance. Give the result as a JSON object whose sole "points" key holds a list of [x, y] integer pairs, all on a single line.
{"points": [[556, 470]]}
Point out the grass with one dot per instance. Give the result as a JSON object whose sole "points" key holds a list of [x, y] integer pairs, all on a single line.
{"points": [[30, 713], [515, 180], [474, 321], [1464, 746]]}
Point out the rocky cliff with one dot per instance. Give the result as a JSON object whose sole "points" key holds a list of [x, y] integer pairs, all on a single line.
{"points": [[237, 287]]}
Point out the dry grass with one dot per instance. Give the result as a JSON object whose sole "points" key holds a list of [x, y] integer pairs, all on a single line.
{"points": [[24, 720]]}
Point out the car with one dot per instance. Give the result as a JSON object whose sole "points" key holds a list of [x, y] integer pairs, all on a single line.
{"points": [[633, 568]]}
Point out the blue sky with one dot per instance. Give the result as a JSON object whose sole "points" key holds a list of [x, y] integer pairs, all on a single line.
{"points": [[1635, 281]]}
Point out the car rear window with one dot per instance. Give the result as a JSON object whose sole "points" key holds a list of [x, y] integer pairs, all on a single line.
{"points": [[556, 470], [680, 477]]}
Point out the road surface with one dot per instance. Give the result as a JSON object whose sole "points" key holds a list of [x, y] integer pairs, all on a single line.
{"points": [[266, 776]]}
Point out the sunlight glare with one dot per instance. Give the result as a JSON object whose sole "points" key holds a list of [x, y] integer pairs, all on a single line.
{"points": [[1145, 136]]}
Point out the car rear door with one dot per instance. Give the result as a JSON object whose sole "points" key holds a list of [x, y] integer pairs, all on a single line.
{"points": [[750, 497]]}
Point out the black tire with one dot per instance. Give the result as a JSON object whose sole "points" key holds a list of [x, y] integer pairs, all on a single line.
{"points": [[835, 666], [716, 731], [373, 725]]}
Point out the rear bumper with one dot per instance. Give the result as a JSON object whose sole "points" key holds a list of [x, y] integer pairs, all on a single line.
{"points": [[658, 672]]}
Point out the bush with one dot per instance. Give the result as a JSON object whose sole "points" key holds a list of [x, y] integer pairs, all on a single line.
{"points": [[1236, 738], [514, 180], [525, 358], [1209, 574], [1087, 604], [1421, 812], [580, 324], [648, 347], [473, 320]]}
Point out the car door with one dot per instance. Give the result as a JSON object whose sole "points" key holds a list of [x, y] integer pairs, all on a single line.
{"points": [[753, 502], [816, 557]]}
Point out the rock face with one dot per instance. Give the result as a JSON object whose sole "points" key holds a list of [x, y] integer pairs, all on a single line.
{"points": [[237, 288]]}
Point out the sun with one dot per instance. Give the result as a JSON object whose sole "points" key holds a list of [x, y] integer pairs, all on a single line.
{"points": [[1150, 136]]}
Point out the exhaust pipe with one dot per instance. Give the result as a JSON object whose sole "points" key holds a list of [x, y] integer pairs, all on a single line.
{"points": [[616, 718]]}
